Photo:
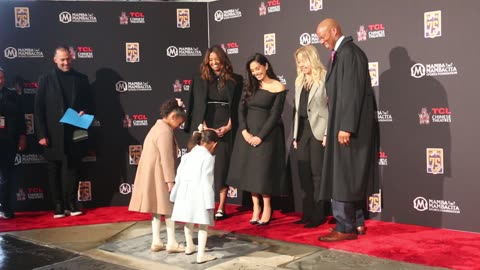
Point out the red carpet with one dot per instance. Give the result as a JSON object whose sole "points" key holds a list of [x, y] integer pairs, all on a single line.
{"points": [[44, 219], [409, 243]]}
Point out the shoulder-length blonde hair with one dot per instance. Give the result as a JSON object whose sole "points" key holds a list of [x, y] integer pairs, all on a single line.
{"points": [[312, 58]]}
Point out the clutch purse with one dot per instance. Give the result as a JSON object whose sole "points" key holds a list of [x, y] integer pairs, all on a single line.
{"points": [[80, 135]]}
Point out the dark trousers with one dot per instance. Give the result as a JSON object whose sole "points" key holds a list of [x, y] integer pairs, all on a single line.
{"points": [[7, 158], [63, 177], [348, 215], [310, 153]]}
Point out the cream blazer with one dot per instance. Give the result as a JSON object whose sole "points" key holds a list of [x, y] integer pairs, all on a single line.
{"points": [[317, 110]]}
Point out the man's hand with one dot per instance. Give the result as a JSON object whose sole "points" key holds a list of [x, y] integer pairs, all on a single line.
{"points": [[80, 113], [43, 142], [344, 138], [295, 144]]}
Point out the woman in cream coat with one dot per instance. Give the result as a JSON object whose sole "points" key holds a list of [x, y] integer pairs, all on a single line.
{"points": [[155, 175], [309, 130]]}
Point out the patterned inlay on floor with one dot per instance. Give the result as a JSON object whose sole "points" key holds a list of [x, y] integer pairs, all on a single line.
{"points": [[224, 247]]}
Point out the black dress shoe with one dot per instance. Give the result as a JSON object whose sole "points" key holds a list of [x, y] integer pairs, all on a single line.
{"points": [[361, 230], [315, 223]]}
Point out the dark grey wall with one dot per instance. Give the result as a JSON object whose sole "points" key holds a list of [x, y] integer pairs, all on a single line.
{"points": [[396, 39]]}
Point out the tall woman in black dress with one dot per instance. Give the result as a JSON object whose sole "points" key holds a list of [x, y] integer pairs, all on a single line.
{"points": [[258, 158], [213, 102]]}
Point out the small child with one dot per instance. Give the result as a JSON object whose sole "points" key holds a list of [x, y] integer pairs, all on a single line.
{"points": [[193, 194]]}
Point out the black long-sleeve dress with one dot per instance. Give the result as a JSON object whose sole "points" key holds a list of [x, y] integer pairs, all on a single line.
{"points": [[260, 169]]}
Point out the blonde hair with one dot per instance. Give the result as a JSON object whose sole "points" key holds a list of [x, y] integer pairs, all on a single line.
{"points": [[312, 58]]}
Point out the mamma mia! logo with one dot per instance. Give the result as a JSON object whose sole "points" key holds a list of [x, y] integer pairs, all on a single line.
{"points": [[419, 70], [422, 204]]}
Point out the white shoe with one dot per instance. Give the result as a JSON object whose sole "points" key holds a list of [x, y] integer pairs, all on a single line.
{"points": [[179, 248], [76, 213], [191, 250], [157, 248], [59, 216], [205, 258]]}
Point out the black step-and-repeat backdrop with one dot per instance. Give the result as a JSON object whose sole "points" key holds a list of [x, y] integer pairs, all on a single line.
{"points": [[422, 63], [137, 55]]}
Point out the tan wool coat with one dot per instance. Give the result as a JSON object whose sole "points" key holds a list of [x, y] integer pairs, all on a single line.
{"points": [[156, 167]]}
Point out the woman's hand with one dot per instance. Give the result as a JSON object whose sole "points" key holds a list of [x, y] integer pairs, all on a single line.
{"points": [[247, 136], [324, 142], [221, 131], [255, 141]]}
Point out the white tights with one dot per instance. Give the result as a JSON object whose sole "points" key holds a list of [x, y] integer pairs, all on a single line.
{"points": [[202, 238], [170, 224]]}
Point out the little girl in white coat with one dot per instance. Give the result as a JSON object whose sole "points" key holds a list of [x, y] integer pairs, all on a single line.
{"points": [[193, 194]]}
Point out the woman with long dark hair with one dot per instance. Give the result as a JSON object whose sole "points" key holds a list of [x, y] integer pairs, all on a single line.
{"points": [[213, 103], [258, 159]]}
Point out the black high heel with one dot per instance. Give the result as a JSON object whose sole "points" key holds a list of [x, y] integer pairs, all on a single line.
{"points": [[261, 223], [254, 222]]}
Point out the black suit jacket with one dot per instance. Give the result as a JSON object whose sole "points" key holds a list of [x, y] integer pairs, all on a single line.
{"points": [[49, 109], [11, 109], [197, 102]]}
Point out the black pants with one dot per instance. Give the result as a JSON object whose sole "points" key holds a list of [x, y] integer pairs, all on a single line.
{"points": [[63, 176], [310, 153], [349, 215], [7, 158]]}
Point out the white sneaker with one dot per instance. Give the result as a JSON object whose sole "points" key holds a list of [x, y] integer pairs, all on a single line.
{"points": [[58, 215], [76, 213]]}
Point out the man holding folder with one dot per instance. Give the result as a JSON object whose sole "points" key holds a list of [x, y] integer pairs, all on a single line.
{"points": [[58, 90]]}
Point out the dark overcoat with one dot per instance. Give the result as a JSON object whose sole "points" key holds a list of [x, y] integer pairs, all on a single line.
{"points": [[49, 109], [350, 172]]}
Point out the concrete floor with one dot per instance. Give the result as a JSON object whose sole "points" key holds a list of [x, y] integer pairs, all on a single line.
{"points": [[90, 247]]}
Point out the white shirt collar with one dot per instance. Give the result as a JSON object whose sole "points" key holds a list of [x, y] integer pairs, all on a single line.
{"points": [[339, 41]]}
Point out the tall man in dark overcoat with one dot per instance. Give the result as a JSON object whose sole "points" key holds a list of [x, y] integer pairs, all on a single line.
{"points": [[59, 89], [349, 173]]}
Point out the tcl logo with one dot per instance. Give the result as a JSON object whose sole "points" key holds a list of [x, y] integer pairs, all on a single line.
{"points": [[84, 49], [139, 117], [232, 45], [30, 85], [187, 82], [441, 111], [137, 15], [382, 155], [35, 190], [273, 3], [374, 27]]}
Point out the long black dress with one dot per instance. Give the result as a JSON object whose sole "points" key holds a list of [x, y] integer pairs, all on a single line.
{"points": [[260, 169], [218, 115]]}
